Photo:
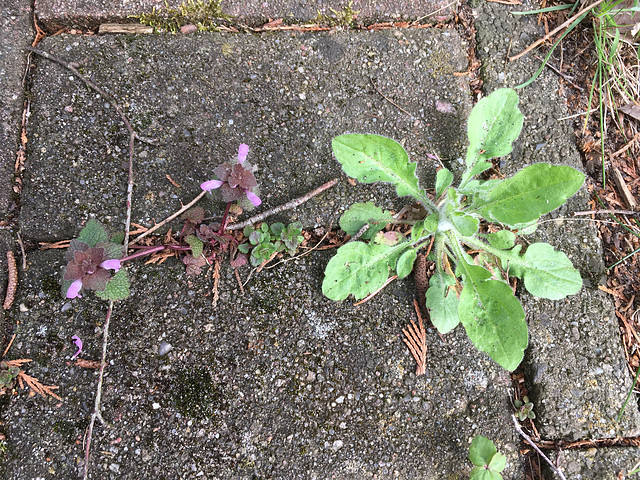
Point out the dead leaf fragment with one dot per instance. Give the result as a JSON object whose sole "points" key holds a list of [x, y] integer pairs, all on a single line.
{"points": [[631, 109]]}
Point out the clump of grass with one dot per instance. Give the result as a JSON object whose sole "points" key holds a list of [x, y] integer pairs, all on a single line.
{"points": [[338, 18], [207, 15]]}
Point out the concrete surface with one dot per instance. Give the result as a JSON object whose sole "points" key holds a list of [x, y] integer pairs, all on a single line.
{"points": [[280, 382]]}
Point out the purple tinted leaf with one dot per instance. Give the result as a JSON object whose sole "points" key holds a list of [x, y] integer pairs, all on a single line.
{"points": [[239, 261], [230, 194], [75, 246], [223, 171], [193, 215], [97, 280], [194, 264]]}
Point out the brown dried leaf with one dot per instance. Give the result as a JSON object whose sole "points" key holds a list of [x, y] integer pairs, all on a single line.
{"points": [[631, 109]]}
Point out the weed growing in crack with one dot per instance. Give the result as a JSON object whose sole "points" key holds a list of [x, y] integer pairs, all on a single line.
{"points": [[471, 281]]}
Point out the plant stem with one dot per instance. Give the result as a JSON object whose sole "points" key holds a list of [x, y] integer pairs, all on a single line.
{"points": [[223, 222], [168, 219], [96, 409], [557, 470]]}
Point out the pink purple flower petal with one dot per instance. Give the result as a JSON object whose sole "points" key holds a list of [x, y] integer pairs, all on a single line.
{"points": [[78, 343], [211, 184], [253, 198], [74, 289], [242, 152], [113, 264]]}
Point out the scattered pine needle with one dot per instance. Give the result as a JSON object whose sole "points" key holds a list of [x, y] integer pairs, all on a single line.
{"points": [[33, 383], [49, 245], [417, 341], [216, 282]]}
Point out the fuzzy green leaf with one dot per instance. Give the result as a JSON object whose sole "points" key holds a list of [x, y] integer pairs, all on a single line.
{"points": [[547, 273], [117, 288], [359, 269], [372, 158], [196, 245], [404, 266], [465, 224], [360, 214], [493, 317], [93, 233], [530, 193], [503, 240], [494, 123], [443, 181], [442, 302]]}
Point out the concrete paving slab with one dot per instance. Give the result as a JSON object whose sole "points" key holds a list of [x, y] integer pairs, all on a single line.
{"points": [[284, 95], [15, 34], [610, 463], [575, 365], [277, 383], [55, 14]]}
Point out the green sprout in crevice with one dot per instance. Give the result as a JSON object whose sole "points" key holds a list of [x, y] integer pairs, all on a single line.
{"points": [[206, 15], [338, 18]]}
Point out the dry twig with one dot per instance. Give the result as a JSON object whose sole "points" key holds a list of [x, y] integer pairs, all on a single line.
{"points": [[287, 206], [557, 470], [12, 284], [417, 341]]}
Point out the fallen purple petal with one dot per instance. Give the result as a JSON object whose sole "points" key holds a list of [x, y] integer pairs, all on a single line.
{"points": [[242, 152], [211, 184], [78, 343], [253, 198], [113, 264], [74, 289]]}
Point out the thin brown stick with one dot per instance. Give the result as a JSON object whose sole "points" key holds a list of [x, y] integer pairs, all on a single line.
{"points": [[9, 346], [387, 98], [555, 30], [127, 225], [627, 146], [12, 284], [96, 409], [107, 96], [24, 254], [548, 64], [595, 212], [168, 219], [235, 270], [287, 206], [216, 282], [557, 470]]}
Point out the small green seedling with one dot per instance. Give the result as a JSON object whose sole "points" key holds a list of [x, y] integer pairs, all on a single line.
{"points": [[470, 284], [524, 409], [489, 463], [265, 241]]}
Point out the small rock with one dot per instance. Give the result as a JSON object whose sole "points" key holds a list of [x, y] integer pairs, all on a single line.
{"points": [[337, 445], [186, 29], [155, 405], [164, 348]]}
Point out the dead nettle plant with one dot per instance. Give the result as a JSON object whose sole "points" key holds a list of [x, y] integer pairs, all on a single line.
{"points": [[96, 258], [470, 284]]}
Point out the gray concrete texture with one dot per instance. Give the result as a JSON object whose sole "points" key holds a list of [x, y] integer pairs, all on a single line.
{"points": [[280, 382], [56, 14]]}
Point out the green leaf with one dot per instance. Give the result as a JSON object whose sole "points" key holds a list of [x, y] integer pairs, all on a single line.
{"points": [[465, 224], [443, 181], [503, 240], [530, 193], [360, 214], [372, 158], [196, 245], [277, 229], [117, 287], [359, 269], [93, 233], [546, 272], [493, 317], [481, 451], [112, 250], [498, 463], [494, 123], [117, 237], [481, 473], [442, 302], [404, 266]]}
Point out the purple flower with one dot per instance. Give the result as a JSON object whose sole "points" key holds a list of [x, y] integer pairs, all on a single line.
{"points": [[236, 181], [89, 269], [78, 343]]}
